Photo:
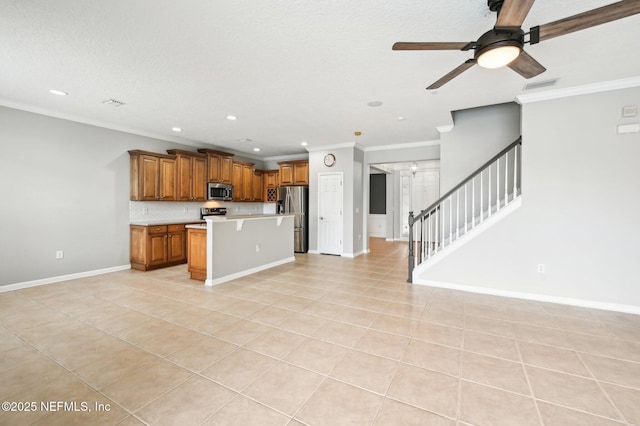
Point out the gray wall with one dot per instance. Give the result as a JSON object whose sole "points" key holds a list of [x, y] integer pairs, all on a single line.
{"points": [[64, 186], [359, 208], [478, 134], [579, 213], [345, 164], [258, 244]]}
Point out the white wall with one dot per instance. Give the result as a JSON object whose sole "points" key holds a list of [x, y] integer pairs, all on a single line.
{"points": [[579, 213]]}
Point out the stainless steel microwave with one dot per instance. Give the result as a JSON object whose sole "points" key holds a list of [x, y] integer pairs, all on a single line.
{"points": [[219, 191]]}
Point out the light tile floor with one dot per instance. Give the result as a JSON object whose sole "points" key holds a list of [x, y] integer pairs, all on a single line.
{"points": [[321, 341]]}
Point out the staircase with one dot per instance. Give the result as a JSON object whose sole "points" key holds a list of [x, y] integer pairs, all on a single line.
{"points": [[464, 210]]}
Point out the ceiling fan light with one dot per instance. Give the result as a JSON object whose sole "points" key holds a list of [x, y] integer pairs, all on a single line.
{"points": [[498, 56]]}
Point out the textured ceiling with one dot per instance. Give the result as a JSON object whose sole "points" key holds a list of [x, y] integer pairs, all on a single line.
{"points": [[291, 71]]}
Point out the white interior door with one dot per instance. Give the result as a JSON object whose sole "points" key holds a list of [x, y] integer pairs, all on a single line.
{"points": [[330, 214]]}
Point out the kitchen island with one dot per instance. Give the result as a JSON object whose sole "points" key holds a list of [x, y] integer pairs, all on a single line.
{"points": [[235, 246]]}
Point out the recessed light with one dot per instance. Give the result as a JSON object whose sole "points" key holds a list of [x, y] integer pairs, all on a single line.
{"points": [[58, 92], [304, 143], [400, 118], [374, 103], [231, 117], [176, 129], [245, 140], [256, 149]]}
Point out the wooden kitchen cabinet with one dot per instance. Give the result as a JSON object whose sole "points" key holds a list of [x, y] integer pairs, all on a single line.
{"points": [[257, 192], [219, 165], [294, 172], [271, 179], [152, 176], [242, 180], [197, 253], [157, 246], [191, 175]]}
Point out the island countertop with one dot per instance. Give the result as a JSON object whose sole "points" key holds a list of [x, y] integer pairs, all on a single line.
{"points": [[249, 216], [167, 222]]}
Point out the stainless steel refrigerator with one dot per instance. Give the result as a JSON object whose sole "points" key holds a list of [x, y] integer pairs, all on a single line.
{"points": [[295, 200]]}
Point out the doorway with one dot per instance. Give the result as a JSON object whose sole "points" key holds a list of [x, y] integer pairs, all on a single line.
{"points": [[330, 206]]}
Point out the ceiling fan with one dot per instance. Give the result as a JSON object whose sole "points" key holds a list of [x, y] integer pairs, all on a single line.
{"points": [[503, 45]]}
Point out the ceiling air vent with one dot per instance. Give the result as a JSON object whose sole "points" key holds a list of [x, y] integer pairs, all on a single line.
{"points": [[539, 84], [113, 102]]}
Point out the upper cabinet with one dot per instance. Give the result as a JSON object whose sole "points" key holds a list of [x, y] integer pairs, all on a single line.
{"points": [[219, 165], [191, 175], [271, 181], [153, 176], [242, 180], [183, 175], [294, 172], [257, 192]]}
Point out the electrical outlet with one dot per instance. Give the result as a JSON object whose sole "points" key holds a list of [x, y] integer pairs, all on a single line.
{"points": [[257, 248], [59, 254], [541, 268]]}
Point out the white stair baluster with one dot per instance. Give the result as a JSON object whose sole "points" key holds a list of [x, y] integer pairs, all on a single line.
{"points": [[506, 177]]}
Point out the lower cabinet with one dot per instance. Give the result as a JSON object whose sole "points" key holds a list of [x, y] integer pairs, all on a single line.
{"points": [[197, 253], [157, 246]]}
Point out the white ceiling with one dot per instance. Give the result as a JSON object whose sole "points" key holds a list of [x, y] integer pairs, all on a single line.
{"points": [[291, 71]]}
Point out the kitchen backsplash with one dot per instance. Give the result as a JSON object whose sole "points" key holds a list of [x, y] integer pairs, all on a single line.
{"points": [[141, 211]]}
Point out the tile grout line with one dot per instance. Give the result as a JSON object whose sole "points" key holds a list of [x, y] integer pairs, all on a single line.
{"points": [[526, 376], [595, 379]]}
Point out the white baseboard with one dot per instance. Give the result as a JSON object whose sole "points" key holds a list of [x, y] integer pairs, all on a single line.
{"points": [[210, 282], [313, 252], [352, 255], [629, 309], [60, 278]]}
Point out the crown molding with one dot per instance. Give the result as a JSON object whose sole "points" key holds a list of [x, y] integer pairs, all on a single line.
{"points": [[445, 129], [403, 146], [336, 146], [605, 86], [102, 124]]}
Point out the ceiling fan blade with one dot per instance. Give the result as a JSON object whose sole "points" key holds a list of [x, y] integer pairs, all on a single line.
{"points": [[429, 46], [588, 19], [526, 66], [513, 13], [453, 74]]}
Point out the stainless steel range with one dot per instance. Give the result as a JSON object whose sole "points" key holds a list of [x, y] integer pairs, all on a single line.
{"points": [[212, 211]]}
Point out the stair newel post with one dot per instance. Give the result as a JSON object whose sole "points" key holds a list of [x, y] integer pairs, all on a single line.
{"points": [[411, 254]]}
